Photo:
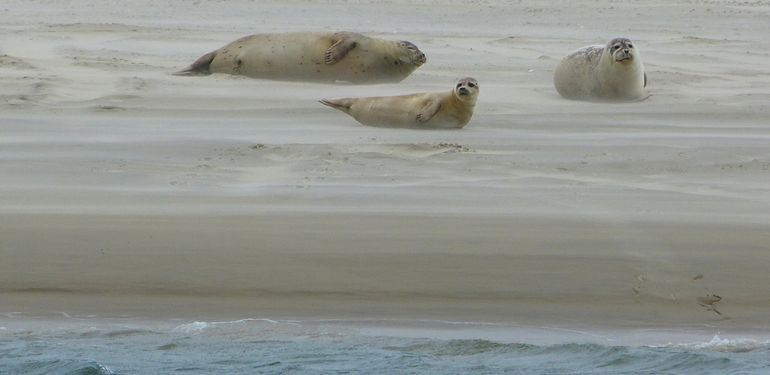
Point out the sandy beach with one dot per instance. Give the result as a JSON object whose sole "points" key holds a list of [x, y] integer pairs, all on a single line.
{"points": [[125, 190]]}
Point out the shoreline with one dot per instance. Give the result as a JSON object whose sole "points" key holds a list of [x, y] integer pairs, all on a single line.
{"points": [[543, 332]]}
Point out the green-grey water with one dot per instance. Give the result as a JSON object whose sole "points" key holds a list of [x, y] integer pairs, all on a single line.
{"points": [[256, 346]]}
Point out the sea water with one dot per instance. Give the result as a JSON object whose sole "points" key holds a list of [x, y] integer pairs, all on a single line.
{"points": [[86, 345]]}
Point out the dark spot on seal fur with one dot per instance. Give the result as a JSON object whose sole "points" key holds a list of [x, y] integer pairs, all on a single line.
{"points": [[238, 64]]}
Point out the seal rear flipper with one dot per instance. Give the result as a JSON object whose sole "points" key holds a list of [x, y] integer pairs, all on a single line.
{"points": [[340, 104], [343, 44], [199, 67]]}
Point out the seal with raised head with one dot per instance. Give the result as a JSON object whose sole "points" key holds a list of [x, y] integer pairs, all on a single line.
{"points": [[435, 110], [613, 72], [313, 57]]}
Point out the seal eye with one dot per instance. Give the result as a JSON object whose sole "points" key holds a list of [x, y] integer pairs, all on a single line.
{"points": [[630, 46], [459, 84], [408, 45], [615, 47], [471, 84]]}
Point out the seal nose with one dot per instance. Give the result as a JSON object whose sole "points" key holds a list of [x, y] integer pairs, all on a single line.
{"points": [[463, 91], [625, 51]]}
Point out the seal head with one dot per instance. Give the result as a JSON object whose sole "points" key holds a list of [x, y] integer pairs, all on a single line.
{"points": [[410, 54], [622, 50], [467, 90]]}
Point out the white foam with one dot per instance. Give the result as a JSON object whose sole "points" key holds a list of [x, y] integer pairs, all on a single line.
{"points": [[193, 327], [196, 327], [718, 344], [248, 320]]}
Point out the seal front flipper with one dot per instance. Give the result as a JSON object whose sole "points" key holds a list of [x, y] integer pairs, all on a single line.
{"points": [[429, 110], [645, 79], [199, 67], [343, 44]]}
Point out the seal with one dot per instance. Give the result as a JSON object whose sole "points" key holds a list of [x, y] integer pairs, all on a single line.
{"points": [[436, 110], [313, 57], [613, 72]]}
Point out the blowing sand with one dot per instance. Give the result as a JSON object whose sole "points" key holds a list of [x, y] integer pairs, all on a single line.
{"points": [[127, 190]]}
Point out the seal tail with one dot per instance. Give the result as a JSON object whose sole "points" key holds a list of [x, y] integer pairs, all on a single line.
{"points": [[340, 104], [199, 67]]}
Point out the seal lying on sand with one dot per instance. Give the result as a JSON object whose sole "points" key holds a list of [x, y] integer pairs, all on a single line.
{"points": [[315, 57], [437, 110], [613, 73]]}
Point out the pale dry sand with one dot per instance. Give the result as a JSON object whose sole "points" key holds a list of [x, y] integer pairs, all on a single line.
{"points": [[125, 190]]}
